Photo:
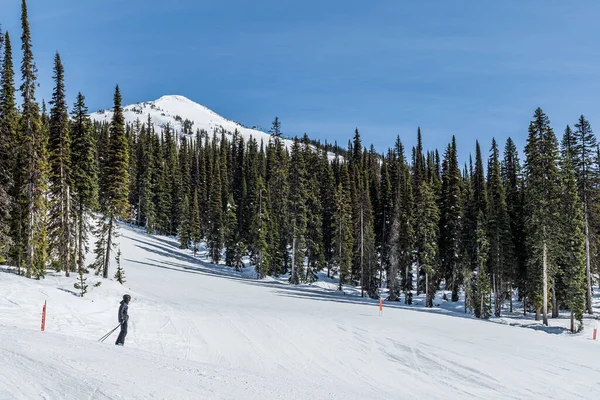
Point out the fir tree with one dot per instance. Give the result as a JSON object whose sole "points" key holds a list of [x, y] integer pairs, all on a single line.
{"points": [[394, 254], [32, 142], [501, 252], [298, 212], [314, 232], [215, 233], [185, 225], [327, 198], [81, 283], [342, 240], [84, 173], [450, 219], [481, 289], [572, 254], [62, 229], [277, 181], [384, 216], [196, 227], [259, 247], [10, 184], [233, 246], [587, 180], [427, 219], [120, 274], [542, 186], [404, 197], [116, 173], [513, 182]]}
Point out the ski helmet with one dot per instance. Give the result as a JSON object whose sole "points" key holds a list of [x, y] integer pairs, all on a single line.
{"points": [[126, 298]]}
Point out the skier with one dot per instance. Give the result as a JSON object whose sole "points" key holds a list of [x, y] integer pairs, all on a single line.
{"points": [[123, 318]]}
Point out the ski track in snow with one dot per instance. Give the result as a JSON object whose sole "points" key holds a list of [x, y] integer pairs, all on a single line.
{"points": [[203, 331]]}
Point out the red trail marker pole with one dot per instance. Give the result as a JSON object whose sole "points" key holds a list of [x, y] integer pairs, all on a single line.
{"points": [[380, 307], [44, 317]]}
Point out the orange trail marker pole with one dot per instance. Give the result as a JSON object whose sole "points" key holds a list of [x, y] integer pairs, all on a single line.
{"points": [[595, 332], [380, 306], [44, 317]]}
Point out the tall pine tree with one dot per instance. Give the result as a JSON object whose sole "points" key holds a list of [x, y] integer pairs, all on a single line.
{"points": [[116, 174], [84, 173], [62, 229], [542, 198]]}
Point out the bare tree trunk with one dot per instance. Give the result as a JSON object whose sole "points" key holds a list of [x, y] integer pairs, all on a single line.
{"points": [[294, 260], [418, 276], [510, 294], [572, 322], [362, 266], [496, 300], [67, 228], [80, 227], [29, 244], [545, 284], [588, 270], [426, 289], [341, 278], [108, 246], [554, 300]]}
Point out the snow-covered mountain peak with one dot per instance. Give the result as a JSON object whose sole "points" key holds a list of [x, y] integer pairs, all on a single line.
{"points": [[183, 115]]}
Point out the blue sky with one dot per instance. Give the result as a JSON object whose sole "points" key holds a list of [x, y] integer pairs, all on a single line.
{"points": [[475, 69]]}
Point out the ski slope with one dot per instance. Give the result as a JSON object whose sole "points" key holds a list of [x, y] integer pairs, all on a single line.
{"points": [[199, 331]]}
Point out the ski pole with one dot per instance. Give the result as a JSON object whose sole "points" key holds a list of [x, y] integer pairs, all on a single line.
{"points": [[103, 338]]}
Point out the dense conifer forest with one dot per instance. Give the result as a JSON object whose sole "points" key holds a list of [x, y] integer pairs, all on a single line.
{"points": [[507, 225]]}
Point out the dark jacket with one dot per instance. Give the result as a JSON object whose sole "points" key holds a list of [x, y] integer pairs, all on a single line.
{"points": [[123, 316]]}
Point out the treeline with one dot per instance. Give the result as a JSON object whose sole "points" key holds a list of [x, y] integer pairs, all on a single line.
{"points": [[411, 223]]}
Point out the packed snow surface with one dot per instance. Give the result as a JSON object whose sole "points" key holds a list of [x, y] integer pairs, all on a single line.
{"points": [[200, 331]]}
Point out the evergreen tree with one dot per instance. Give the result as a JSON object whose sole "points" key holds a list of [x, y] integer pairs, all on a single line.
{"points": [[513, 182], [394, 254], [196, 227], [116, 173], [84, 173], [233, 247], [450, 219], [215, 233], [343, 240], [298, 212], [10, 183], [185, 226], [146, 178], [404, 199], [587, 180], [501, 252], [481, 288], [62, 229], [120, 274], [327, 198], [277, 181], [426, 231], [384, 216], [32, 141], [573, 245], [314, 231], [81, 283], [542, 186], [259, 247]]}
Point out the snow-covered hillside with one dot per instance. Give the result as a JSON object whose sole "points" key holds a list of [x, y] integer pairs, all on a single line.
{"points": [[175, 110], [199, 331]]}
